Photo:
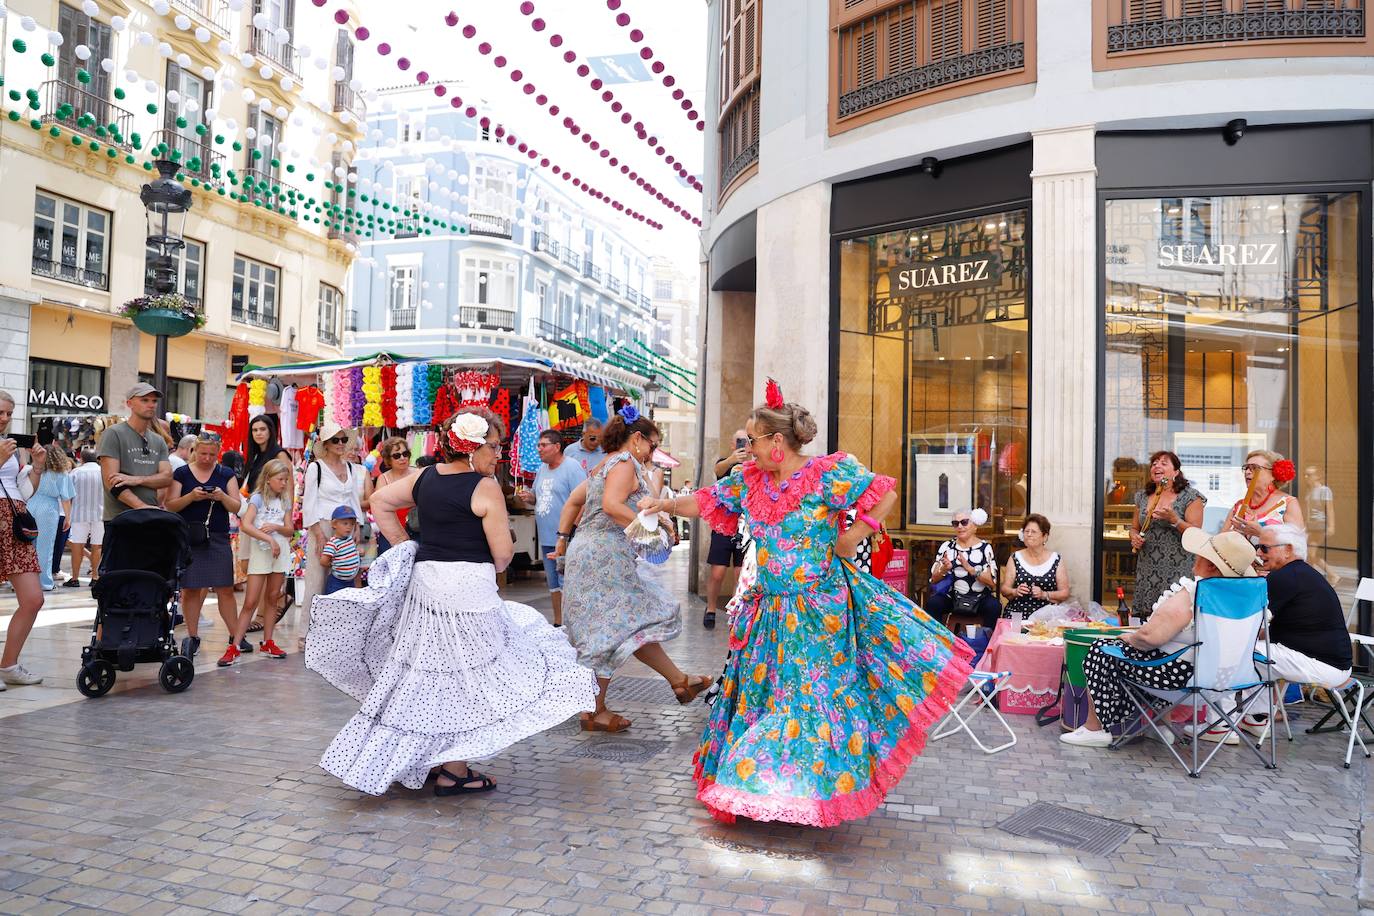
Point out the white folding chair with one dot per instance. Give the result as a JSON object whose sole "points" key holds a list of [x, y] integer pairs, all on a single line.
{"points": [[1357, 689], [1363, 592], [984, 686]]}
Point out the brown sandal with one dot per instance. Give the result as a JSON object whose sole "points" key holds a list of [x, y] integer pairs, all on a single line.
{"points": [[689, 689], [618, 723]]}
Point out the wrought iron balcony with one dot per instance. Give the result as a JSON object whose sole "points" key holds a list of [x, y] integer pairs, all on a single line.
{"points": [[195, 155], [613, 283], [919, 46], [352, 322], [487, 319], [271, 192], [258, 318], [214, 13], [400, 320], [571, 258], [547, 330], [280, 54], [58, 270], [489, 224], [739, 136], [328, 336], [543, 243], [345, 99], [108, 123], [591, 271], [1136, 26]]}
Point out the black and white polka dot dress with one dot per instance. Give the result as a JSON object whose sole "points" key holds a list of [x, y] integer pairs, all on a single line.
{"points": [[1044, 576], [444, 669], [1104, 673], [980, 557]]}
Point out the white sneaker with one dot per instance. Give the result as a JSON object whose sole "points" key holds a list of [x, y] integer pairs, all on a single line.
{"points": [[17, 675], [1256, 727], [1164, 736], [1085, 737], [1217, 735]]}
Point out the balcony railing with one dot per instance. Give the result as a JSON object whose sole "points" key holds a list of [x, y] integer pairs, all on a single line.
{"points": [[344, 232], [195, 155], [547, 330], [543, 243], [274, 193], [571, 258], [919, 46], [255, 317], [489, 224], [487, 319], [328, 336], [112, 124], [280, 54], [591, 271], [400, 320], [1133, 25], [71, 273], [345, 99], [214, 13], [613, 283], [352, 322], [739, 136]]}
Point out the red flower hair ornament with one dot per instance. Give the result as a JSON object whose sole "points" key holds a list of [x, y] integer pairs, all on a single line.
{"points": [[772, 396], [1284, 471], [467, 433]]}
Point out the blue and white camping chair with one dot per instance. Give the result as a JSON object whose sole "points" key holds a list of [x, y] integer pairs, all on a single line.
{"points": [[1229, 676]]}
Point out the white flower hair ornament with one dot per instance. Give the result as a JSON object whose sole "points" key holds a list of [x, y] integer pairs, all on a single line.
{"points": [[467, 433], [978, 517]]}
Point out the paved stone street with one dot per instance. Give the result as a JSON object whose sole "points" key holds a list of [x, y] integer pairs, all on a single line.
{"points": [[211, 801]]}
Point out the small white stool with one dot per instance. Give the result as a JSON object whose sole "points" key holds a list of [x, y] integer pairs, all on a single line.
{"points": [[959, 720]]}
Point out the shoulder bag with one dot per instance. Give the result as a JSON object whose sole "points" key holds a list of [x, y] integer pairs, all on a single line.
{"points": [[23, 525]]}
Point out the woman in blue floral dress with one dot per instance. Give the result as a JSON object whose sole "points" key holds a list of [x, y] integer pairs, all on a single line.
{"points": [[834, 678], [611, 609]]}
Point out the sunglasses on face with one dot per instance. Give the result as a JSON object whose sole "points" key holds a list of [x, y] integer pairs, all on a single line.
{"points": [[337, 440], [959, 522], [395, 455], [1265, 548]]}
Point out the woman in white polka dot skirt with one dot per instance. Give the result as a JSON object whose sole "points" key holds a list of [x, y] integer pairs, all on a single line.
{"points": [[446, 671]]}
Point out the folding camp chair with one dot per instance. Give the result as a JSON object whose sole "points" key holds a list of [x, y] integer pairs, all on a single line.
{"points": [[984, 686], [1350, 703], [1227, 671]]}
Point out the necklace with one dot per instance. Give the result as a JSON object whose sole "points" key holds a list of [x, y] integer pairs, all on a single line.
{"points": [[1263, 499]]}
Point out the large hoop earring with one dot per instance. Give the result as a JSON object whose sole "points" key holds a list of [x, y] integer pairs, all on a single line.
{"points": [[776, 455]]}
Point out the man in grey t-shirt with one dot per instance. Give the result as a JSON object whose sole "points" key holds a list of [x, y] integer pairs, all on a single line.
{"points": [[133, 457]]}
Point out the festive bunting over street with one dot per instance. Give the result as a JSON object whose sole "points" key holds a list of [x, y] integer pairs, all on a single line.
{"points": [[646, 54], [570, 57]]}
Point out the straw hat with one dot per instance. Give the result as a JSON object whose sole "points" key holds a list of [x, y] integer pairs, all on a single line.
{"points": [[1231, 552]]}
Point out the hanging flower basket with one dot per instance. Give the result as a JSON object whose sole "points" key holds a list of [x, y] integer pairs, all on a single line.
{"points": [[172, 315]]}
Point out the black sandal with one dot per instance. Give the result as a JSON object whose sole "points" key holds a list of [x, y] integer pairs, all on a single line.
{"points": [[254, 627], [708, 620], [286, 606], [460, 783]]}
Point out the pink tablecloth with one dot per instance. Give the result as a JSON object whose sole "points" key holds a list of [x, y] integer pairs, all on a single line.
{"points": [[1034, 667]]}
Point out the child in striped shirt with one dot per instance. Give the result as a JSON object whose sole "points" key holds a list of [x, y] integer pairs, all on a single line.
{"points": [[340, 555]]}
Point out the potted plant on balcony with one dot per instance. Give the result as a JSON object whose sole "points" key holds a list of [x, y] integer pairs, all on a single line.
{"points": [[168, 314]]}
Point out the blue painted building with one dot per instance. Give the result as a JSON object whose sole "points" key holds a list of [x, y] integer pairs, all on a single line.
{"points": [[531, 269]]}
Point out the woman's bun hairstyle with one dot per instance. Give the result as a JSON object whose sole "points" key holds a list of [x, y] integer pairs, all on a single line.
{"points": [[618, 431], [793, 421]]}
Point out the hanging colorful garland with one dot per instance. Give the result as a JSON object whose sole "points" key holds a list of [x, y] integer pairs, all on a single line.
{"points": [[404, 398], [357, 398], [445, 404], [341, 408], [389, 395], [608, 97], [372, 396], [646, 54], [257, 397]]}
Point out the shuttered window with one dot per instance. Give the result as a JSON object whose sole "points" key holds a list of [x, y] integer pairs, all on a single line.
{"points": [[741, 31]]}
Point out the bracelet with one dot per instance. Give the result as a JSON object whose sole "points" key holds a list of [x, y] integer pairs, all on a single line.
{"points": [[868, 520], [564, 536]]}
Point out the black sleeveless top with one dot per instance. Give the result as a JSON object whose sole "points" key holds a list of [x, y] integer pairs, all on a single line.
{"points": [[451, 532]]}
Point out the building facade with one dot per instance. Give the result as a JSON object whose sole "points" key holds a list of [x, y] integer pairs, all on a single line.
{"points": [[1007, 249], [677, 300], [131, 82], [529, 271]]}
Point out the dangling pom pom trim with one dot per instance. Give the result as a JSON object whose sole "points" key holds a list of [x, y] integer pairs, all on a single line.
{"points": [[772, 395]]}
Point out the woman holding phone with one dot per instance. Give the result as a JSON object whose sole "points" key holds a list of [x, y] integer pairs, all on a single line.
{"points": [[18, 556]]}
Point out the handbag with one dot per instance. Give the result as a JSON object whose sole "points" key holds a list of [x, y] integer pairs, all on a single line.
{"points": [[967, 603], [882, 552], [199, 535], [23, 525]]}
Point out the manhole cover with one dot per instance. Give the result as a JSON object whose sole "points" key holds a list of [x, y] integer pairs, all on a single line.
{"points": [[1065, 827], [619, 750], [653, 690], [787, 855]]}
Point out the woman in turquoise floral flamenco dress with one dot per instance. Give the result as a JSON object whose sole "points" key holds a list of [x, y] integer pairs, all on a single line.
{"points": [[834, 678]]}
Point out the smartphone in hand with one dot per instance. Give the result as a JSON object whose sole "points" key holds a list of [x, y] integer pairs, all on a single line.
{"points": [[22, 440]]}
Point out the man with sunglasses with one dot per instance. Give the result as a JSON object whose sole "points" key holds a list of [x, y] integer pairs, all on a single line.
{"points": [[133, 457], [1308, 641]]}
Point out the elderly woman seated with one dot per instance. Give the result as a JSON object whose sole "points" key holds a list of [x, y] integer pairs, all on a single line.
{"points": [[1169, 629]]}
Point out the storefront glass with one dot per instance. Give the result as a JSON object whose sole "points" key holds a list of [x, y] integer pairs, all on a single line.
{"points": [[1231, 325], [932, 371], [65, 389]]}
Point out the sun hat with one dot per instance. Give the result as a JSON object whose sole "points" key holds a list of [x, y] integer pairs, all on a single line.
{"points": [[1231, 552], [330, 430], [343, 512]]}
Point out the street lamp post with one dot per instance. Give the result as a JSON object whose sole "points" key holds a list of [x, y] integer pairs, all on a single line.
{"points": [[651, 390], [167, 203]]}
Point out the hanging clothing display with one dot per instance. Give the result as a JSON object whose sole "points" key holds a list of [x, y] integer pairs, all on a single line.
{"points": [[286, 419], [570, 407]]}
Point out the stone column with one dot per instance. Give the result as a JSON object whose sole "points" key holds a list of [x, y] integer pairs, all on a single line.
{"points": [[16, 309], [1065, 323], [124, 346], [212, 390], [792, 319]]}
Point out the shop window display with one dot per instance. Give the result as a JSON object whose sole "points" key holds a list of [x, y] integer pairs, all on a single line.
{"points": [[1232, 324], [932, 372]]}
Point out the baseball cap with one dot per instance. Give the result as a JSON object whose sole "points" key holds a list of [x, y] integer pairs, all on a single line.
{"points": [[343, 512], [142, 389]]}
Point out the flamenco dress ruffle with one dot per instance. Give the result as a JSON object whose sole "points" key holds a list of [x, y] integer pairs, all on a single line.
{"points": [[443, 668]]}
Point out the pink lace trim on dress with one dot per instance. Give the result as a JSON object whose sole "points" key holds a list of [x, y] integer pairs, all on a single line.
{"points": [[763, 508], [880, 487], [714, 513], [725, 804]]}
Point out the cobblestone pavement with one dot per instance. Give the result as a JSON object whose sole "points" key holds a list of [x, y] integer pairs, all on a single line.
{"points": [[211, 801]]}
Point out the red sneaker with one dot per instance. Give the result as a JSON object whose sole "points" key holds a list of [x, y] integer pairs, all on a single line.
{"points": [[230, 655], [271, 649]]}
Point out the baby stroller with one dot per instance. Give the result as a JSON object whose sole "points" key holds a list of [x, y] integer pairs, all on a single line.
{"points": [[146, 552]]}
